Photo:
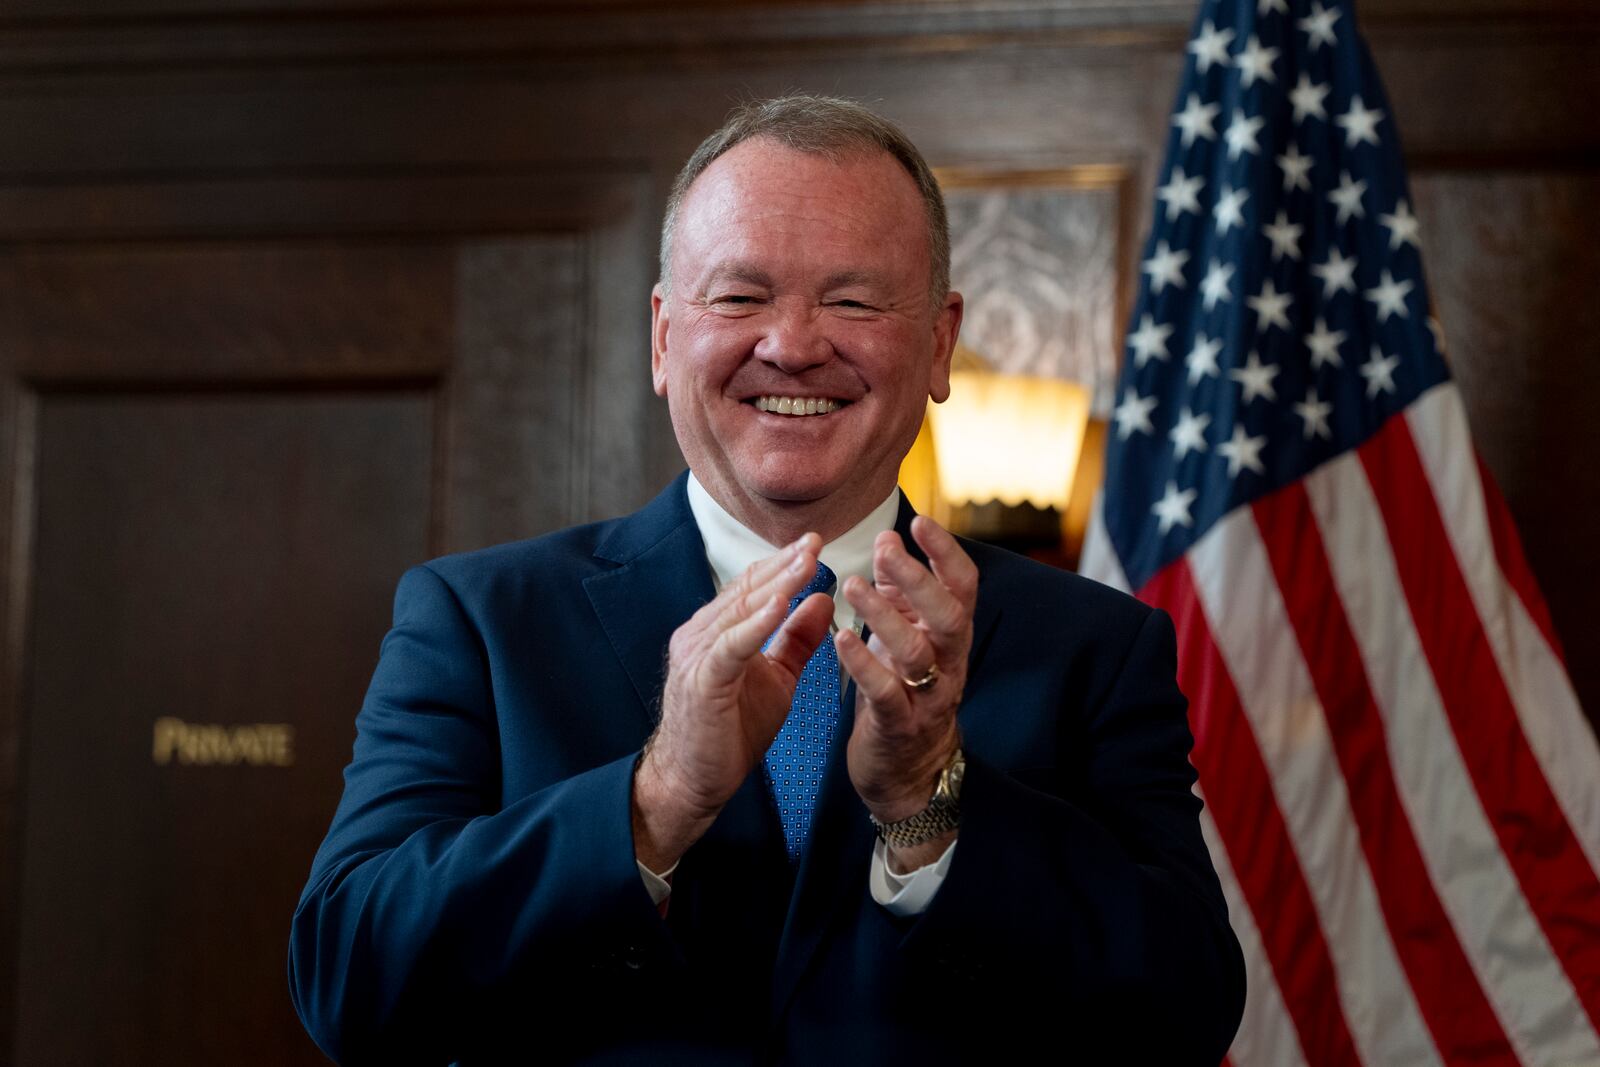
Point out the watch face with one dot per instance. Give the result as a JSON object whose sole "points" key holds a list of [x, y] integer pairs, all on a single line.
{"points": [[950, 780]]}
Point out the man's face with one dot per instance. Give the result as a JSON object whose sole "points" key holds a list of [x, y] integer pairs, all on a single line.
{"points": [[798, 279]]}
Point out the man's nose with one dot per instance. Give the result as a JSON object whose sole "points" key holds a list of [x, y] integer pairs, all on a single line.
{"points": [[794, 339]]}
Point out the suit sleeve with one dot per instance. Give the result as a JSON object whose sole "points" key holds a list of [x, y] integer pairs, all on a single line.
{"points": [[1102, 902], [428, 901]]}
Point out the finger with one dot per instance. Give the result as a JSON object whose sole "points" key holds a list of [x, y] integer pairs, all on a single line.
{"points": [[874, 679], [950, 562], [782, 574], [739, 643], [906, 645], [747, 582], [891, 592], [940, 612], [801, 633], [882, 580]]}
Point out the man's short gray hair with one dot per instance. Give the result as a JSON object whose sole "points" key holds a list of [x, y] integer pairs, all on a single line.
{"points": [[825, 126]]}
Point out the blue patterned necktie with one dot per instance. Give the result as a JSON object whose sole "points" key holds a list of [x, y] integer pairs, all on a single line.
{"points": [[800, 751]]}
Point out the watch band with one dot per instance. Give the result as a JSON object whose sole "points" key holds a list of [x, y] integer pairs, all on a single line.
{"points": [[942, 814]]}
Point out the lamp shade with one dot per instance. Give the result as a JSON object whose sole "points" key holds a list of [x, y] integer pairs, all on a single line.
{"points": [[1009, 438]]}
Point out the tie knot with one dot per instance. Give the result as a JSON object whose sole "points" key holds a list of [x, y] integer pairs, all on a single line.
{"points": [[822, 581]]}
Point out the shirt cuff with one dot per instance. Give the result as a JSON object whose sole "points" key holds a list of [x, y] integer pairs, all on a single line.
{"points": [[908, 894], [659, 886]]}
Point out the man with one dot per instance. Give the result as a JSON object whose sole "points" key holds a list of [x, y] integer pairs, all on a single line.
{"points": [[612, 799]]}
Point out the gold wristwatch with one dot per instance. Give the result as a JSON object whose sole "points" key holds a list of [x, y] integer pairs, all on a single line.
{"points": [[942, 813]]}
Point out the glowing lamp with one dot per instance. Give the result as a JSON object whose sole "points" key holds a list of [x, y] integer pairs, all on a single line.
{"points": [[1009, 438]]}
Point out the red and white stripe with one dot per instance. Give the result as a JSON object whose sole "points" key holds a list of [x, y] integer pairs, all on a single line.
{"points": [[1403, 794], [1266, 1033]]}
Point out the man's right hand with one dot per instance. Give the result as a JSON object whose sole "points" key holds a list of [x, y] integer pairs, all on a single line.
{"points": [[725, 699]]}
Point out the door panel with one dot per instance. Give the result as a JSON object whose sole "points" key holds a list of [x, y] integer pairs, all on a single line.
{"points": [[206, 562]]}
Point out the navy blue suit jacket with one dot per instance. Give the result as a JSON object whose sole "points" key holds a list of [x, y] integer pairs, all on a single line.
{"points": [[476, 898]]}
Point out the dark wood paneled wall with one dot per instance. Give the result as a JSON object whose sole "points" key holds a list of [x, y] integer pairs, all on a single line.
{"points": [[294, 293]]}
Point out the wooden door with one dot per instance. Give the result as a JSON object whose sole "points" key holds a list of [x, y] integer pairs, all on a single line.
{"points": [[235, 412]]}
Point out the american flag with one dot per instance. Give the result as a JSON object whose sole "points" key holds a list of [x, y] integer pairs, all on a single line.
{"points": [[1403, 795]]}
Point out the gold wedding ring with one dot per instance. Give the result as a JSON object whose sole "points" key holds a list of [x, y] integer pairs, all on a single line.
{"points": [[925, 683]]}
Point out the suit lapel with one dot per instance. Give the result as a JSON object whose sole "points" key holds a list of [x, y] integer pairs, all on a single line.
{"points": [[661, 578]]}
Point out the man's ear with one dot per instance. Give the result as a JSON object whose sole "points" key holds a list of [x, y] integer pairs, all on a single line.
{"points": [[658, 340], [946, 328]]}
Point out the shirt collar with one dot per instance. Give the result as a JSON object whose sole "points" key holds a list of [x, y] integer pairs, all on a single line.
{"points": [[731, 547]]}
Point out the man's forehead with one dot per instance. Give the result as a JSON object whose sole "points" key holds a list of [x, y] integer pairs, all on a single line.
{"points": [[759, 185], [762, 167], [752, 272]]}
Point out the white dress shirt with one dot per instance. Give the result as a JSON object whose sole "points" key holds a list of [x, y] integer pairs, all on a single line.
{"points": [[730, 549]]}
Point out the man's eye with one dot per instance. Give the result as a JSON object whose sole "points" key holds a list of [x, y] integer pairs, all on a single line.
{"points": [[852, 305], [733, 298]]}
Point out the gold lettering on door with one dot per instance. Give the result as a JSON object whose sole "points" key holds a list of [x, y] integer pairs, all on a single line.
{"points": [[204, 744]]}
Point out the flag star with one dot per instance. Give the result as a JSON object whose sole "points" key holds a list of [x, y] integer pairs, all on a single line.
{"points": [[1255, 62], [1229, 211], [1210, 46], [1389, 298], [1133, 414], [1296, 169], [1360, 124], [1189, 435], [1319, 26], [1149, 341], [1348, 198], [1337, 274], [1271, 307], [1202, 358], [1256, 378], [1307, 99], [1316, 413], [1285, 237], [1215, 285], [1181, 193], [1403, 226], [1265, 6], [1166, 267], [1242, 450], [1324, 344], [1173, 508], [1195, 120], [1379, 372], [1241, 134]]}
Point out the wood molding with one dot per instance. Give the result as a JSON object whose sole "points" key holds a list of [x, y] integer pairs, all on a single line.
{"points": [[393, 204], [58, 37]]}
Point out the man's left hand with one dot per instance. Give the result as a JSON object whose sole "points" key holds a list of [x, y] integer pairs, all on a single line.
{"points": [[920, 620]]}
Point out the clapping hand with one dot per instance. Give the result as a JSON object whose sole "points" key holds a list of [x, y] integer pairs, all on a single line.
{"points": [[921, 624], [725, 699]]}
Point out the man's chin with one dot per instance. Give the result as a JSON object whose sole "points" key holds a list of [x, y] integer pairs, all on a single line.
{"points": [[806, 489], [793, 487], [793, 494]]}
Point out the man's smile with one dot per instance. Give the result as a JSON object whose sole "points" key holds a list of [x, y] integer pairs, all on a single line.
{"points": [[797, 405]]}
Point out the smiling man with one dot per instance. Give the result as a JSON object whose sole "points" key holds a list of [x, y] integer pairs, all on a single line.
{"points": [[773, 770]]}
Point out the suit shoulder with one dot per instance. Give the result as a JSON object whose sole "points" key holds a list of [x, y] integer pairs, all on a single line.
{"points": [[1019, 581], [554, 559], [573, 553]]}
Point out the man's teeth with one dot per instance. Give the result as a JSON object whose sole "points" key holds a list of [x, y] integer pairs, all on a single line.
{"points": [[797, 405]]}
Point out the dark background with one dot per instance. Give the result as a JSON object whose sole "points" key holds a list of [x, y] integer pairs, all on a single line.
{"points": [[294, 294]]}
